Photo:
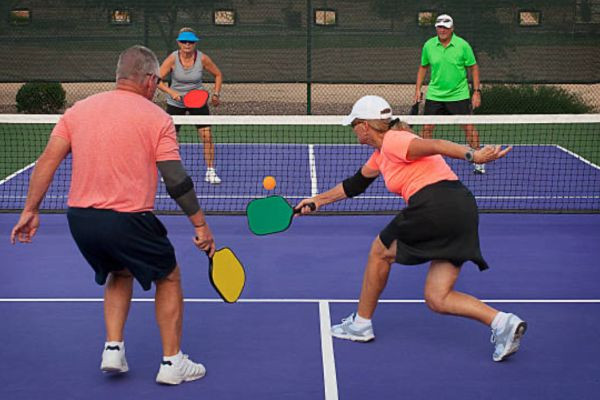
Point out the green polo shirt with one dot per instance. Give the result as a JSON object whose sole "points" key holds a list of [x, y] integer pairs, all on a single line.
{"points": [[448, 68]]}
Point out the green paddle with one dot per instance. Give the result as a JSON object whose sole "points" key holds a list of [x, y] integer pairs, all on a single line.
{"points": [[271, 214]]}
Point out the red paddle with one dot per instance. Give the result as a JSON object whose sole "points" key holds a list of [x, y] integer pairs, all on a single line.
{"points": [[195, 98]]}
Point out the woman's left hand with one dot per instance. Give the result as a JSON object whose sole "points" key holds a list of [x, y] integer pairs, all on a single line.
{"points": [[490, 153], [216, 100]]}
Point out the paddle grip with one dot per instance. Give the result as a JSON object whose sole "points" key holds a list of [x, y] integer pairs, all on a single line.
{"points": [[310, 205]]}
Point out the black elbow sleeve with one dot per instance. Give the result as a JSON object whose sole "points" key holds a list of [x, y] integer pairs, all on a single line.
{"points": [[176, 191], [356, 184]]}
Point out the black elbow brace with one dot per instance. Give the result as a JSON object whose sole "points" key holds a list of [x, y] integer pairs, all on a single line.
{"points": [[356, 184], [180, 189]]}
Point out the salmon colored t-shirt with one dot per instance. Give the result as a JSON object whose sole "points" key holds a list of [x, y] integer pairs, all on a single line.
{"points": [[406, 177], [116, 139]]}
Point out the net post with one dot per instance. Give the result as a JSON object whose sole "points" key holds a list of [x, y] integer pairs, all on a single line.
{"points": [[308, 55]]}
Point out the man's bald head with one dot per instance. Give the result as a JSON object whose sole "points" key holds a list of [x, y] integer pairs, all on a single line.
{"points": [[136, 62]]}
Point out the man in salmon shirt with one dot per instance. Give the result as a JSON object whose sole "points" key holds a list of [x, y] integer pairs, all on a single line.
{"points": [[439, 225], [117, 140]]}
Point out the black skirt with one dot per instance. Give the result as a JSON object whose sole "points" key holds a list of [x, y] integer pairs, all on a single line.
{"points": [[441, 222]]}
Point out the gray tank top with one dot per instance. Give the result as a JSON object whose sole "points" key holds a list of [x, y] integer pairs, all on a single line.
{"points": [[184, 80]]}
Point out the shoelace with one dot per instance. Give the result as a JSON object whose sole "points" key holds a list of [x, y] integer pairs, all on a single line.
{"points": [[493, 337], [349, 318]]}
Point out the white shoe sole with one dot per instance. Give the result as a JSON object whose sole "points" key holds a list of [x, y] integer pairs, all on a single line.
{"points": [[167, 381], [114, 369], [513, 345], [354, 338]]}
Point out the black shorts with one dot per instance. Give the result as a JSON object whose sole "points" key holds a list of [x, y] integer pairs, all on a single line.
{"points": [[113, 241], [441, 222], [172, 110], [461, 107]]}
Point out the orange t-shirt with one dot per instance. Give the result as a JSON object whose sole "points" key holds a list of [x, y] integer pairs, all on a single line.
{"points": [[116, 139], [406, 177]]}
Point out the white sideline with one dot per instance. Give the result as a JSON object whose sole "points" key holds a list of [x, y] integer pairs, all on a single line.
{"points": [[215, 300], [329, 374]]}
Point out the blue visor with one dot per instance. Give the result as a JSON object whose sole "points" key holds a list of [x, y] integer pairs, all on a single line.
{"points": [[187, 36]]}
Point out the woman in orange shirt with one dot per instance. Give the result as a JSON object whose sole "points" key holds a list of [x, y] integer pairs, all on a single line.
{"points": [[440, 223]]}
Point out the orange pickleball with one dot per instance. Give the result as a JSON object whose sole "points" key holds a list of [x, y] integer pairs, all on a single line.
{"points": [[269, 183]]}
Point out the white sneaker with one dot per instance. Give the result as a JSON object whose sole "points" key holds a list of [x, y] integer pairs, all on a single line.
{"points": [[347, 330], [113, 359], [507, 338], [212, 177], [185, 371], [479, 168]]}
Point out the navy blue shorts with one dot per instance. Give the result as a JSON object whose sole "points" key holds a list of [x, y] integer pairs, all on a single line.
{"points": [[114, 241]]}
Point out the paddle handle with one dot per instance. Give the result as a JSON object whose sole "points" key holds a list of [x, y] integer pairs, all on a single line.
{"points": [[205, 252], [310, 205]]}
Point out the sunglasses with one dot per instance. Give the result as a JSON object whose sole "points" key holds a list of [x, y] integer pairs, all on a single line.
{"points": [[186, 42], [157, 78]]}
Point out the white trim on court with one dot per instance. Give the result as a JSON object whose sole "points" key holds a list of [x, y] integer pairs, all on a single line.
{"points": [[329, 374], [312, 165], [311, 301], [578, 157], [14, 174]]}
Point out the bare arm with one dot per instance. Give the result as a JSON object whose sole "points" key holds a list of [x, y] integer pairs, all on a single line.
{"points": [[476, 100], [428, 147], [165, 70], [41, 178], [334, 194], [211, 67], [420, 78]]}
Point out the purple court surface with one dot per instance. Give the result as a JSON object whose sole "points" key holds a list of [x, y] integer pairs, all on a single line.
{"points": [[274, 343]]}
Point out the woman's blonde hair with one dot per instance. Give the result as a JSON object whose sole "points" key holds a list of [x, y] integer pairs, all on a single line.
{"points": [[384, 125]]}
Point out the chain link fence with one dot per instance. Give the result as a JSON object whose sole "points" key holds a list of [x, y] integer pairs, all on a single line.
{"points": [[301, 57]]}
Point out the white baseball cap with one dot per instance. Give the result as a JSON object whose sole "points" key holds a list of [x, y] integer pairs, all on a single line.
{"points": [[369, 107], [445, 21]]}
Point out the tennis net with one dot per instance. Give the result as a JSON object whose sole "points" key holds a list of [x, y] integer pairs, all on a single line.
{"points": [[554, 166]]}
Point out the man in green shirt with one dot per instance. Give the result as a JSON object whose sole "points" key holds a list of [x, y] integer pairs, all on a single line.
{"points": [[449, 57]]}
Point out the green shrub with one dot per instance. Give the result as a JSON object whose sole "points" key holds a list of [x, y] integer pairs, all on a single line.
{"points": [[530, 99], [41, 98]]}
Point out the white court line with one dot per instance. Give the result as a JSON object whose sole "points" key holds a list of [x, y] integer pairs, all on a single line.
{"points": [[577, 156], [8, 178], [312, 164], [329, 374], [311, 301]]}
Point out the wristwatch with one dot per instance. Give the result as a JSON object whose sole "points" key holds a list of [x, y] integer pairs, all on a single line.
{"points": [[470, 156], [216, 94], [477, 90]]}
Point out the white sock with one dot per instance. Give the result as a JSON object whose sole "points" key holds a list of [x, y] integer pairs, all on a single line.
{"points": [[210, 169], [499, 320], [176, 359], [360, 321], [113, 344]]}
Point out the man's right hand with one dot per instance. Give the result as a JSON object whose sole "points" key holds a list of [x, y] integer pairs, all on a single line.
{"points": [[204, 239], [176, 96], [418, 97], [26, 227]]}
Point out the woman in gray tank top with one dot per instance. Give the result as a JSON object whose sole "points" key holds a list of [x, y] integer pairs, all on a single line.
{"points": [[186, 66]]}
